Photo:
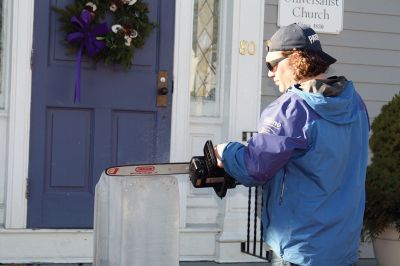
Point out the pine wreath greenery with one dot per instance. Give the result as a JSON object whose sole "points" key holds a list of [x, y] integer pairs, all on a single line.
{"points": [[383, 174], [86, 25]]}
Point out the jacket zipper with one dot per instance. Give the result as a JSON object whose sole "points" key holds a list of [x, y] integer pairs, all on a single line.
{"points": [[282, 187], [266, 206]]}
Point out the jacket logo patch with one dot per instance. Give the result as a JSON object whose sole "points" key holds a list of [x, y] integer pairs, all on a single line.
{"points": [[270, 126]]}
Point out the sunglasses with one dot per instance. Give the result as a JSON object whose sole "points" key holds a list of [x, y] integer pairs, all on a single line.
{"points": [[271, 65]]}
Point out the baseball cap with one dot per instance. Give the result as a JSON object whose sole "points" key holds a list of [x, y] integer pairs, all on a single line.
{"points": [[296, 36]]}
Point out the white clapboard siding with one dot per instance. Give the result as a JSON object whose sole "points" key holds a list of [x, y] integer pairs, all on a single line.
{"points": [[352, 38], [385, 7]]}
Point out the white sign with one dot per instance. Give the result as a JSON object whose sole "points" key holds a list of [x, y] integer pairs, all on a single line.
{"points": [[325, 16]]}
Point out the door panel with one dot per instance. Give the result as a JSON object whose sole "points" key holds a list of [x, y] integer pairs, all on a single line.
{"points": [[68, 142], [133, 125], [116, 121]]}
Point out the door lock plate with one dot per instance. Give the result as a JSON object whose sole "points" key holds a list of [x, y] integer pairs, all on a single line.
{"points": [[162, 89]]}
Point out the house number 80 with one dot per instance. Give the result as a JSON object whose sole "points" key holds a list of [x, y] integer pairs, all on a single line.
{"points": [[247, 47]]}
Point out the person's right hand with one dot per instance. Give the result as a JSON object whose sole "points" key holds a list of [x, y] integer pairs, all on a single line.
{"points": [[218, 150]]}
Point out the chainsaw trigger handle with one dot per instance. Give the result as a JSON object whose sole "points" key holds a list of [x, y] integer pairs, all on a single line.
{"points": [[204, 172]]}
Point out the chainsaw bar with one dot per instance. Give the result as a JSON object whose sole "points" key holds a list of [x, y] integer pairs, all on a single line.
{"points": [[159, 169], [149, 169], [202, 170]]}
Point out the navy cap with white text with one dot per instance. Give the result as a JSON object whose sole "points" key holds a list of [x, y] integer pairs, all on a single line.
{"points": [[296, 37]]}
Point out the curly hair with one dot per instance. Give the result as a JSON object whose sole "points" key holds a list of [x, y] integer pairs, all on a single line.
{"points": [[306, 64]]}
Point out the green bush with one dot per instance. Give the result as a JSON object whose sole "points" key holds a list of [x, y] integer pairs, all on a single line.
{"points": [[383, 174]]}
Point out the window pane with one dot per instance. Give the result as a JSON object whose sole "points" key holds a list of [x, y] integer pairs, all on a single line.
{"points": [[204, 92]]}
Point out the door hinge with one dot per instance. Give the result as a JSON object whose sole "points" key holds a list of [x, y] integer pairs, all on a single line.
{"points": [[27, 189]]}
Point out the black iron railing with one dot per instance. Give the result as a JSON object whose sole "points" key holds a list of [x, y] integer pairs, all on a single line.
{"points": [[254, 244]]}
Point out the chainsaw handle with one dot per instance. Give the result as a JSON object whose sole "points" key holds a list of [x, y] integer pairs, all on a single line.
{"points": [[214, 170], [204, 172], [210, 158]]}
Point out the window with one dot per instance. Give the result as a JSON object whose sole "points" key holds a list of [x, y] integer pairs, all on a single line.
{"points": [[204, 92]]}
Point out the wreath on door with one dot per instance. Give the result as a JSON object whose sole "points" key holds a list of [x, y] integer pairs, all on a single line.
{"points": [[88, 32]]}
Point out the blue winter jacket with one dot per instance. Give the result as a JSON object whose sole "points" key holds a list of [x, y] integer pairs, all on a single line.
{"points": [[310, 155]]}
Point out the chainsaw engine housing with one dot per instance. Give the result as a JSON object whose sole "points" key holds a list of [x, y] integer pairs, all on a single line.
{"points": [[204, 172]]}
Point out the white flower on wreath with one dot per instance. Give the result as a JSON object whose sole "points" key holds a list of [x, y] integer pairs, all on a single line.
{"points": [[116, 28], [113, 7], [128, 40], [128, 34], [92, 5], [129, 2], [134, 34], [130, 37]]}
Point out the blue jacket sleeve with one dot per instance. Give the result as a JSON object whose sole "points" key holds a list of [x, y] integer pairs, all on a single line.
{"points": [[281, 132], [233, 160]]}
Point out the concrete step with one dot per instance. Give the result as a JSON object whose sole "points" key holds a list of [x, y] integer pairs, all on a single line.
{"points": [[362, 262]]}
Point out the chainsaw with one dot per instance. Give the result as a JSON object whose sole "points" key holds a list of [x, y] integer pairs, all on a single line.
{"points": [[203, 171]]}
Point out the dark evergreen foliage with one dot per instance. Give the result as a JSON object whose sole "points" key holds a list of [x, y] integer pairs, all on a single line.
{"points": [[383, 174]]}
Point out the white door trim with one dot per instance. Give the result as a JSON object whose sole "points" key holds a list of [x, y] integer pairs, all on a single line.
{"points": [[19, 32], [180, 151]]}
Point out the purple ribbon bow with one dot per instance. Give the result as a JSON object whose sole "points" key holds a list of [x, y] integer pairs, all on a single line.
{"points": [[87, 37]]}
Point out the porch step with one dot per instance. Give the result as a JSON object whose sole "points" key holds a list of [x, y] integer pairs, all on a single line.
{"points": [[362, 262], [198, 242]]}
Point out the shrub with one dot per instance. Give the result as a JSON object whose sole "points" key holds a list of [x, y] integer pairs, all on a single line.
{"points": [[383, 174]]}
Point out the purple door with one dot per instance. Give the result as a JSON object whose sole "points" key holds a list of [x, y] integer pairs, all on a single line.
{"points": [[116, 122]]}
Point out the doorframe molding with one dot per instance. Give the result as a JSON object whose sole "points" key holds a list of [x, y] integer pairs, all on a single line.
{"points": [[19, 36], [180, 115]]}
